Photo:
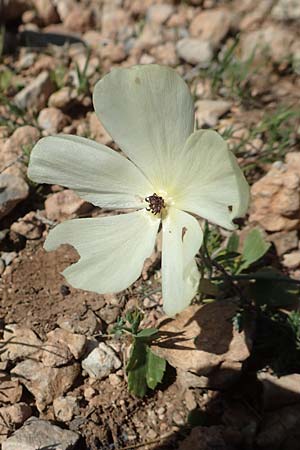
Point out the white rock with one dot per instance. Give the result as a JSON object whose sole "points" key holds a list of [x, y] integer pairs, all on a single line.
{"points": [[36, 93], [209, 111], [12, 191], [38, 434], [101, 362], [52, 120], [159, 13], [292, 260], [20, 343], [286, 10], [212, 25], [65, 408], [46, 383], [195, 51]]}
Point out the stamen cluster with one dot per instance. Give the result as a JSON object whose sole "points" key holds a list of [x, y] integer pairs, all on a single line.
{"points": [[156, 203]]}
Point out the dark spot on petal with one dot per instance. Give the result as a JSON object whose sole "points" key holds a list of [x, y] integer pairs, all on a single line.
{"points": [[183, 231], [230, 208], [137, 80]]}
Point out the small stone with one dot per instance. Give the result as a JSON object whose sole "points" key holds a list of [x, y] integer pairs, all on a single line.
{"points": [[89, 392], [26, 61], [79, 19], [292, 260], [272, 39], [2, 266], [28, 226], [65, 205], [159, 13], [75, 342], [109, 314], [101, 362], [195, 51], [23, 138], [97, 131], [284, 241], [213, 349], [189, 399], [65, 408], [212, 25], [64, 7], [52, 120], [18, 342], [87, 325], [63, 99], [12, 416], [209, 111], [12, 191], [36, 93], [165, 54], [10, 391], [114, 379], [8, 257], [46, 11], [286, 10], [38, 434], [46, 383]]}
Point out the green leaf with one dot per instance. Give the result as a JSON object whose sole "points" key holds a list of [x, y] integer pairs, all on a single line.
{"points": [[144, 368], [147, 332], [253, 249], [233, 243], [136, 369], [156, 367]]}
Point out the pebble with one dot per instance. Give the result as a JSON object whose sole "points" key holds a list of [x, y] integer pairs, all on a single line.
{"points": [[13, 190], [63, 99], [65, 205], [211, 25], [28, 226], [12, 416], [101, 362], [46, 383], [38, 434], [286, 10], [195, 51], [65, 408], [292, 260], [159, 13], [209, 111], [20, 343], [35, 94], [52, 120]]}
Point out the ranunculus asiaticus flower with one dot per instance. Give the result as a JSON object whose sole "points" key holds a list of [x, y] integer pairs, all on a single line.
{"points": [[172, 174]]}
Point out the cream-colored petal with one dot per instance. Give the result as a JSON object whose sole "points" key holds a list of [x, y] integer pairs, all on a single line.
{"points": [[97, 173], [149, 112], [112, 249], [182, 238], [209, 182]]}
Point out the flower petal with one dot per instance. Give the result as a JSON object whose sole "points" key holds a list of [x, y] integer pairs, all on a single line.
{"points": [[97, 173], [182, 238], [112, 249], [149, 112], [212, 184]]}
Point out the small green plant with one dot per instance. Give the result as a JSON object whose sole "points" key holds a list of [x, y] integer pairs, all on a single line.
{"points": [[144, 368], [276, 131], [231, 73], [5, 80], [82, 76], [58, 76]]}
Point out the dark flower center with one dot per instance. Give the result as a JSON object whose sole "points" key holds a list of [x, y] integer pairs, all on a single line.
{"points": [[156, 203]]}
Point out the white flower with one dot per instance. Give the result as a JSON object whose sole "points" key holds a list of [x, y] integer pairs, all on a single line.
{"points": [[172, 171]]}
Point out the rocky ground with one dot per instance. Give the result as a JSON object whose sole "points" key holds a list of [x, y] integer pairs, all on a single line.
{"points": [[63, 382]]}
